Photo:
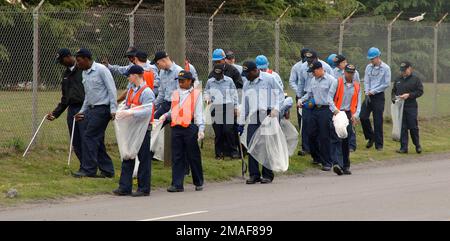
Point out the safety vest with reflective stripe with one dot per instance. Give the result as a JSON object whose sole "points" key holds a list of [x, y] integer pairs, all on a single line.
{"points": [[183, 115], [339, 96], [135, 100]]}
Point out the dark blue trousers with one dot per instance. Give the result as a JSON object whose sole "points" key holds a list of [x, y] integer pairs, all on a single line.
{"points": [[253, 165], [373, 104], [340, 148], [225, 135], [94, 150], [185, 149], [352, 140], [409, 122], [306, 119], [144, 170], [78, 134], [319, 127]]}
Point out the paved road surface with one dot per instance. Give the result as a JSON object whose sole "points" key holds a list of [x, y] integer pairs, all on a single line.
{"points": [[399, 190]]}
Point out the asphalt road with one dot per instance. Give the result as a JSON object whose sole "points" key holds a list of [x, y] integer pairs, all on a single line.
{"points": [[406, 189]]}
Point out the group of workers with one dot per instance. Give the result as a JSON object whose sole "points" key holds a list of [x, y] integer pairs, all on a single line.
{"points": [[239, 99]]}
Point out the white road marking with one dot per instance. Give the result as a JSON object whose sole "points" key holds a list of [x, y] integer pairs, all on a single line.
{"points": [[175, 216]]}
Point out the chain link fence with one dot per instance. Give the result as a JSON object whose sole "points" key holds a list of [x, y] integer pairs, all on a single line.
{"points": [[30, 89]]}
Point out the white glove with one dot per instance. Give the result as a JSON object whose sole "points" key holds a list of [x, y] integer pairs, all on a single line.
{"points": [[201, 135], [163, 118], [122, 114]]}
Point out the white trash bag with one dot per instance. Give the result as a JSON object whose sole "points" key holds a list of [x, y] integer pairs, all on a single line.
{"points": [[291, 134], [157, 140], [397, 118], [268, 146], [130, 132], [340, 122], [207, 115]]}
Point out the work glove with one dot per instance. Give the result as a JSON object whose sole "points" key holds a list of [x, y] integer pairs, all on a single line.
{"points": [[50, 117], [163, 118], [201, 135]]}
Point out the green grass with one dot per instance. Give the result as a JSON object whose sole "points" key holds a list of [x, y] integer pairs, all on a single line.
{"points": [[43, 174]]}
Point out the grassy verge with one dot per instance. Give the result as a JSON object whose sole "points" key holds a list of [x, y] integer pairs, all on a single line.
{"points": [[43, 175]]}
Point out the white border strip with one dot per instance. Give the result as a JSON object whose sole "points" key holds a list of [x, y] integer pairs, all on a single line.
{"points": [[174, 216]]}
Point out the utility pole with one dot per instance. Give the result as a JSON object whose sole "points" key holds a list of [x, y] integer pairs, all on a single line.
{"points": [[175, 45]]}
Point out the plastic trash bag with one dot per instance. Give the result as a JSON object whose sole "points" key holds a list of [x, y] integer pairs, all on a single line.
{"points": [[340, 122], [291, 134], [268, 146], [130, 132], [207, 115], [397, 118], [157, 140]]}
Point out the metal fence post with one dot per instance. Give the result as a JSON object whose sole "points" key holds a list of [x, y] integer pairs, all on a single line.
{"points": [[35, 66], [389, 59], [131, 22], [211, 35], [435, 64], [341, 31], [277, 40]]}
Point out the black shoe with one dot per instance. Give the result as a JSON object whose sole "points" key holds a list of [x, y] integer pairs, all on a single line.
{"points": [[219, 158], [419, 150], [175, 189], [369, 144], [140, 194], [315, 163], [198, 188], [81, 174], [119, 192], [351, 150], [253, 180], [338, 170], [105, 175], [347, 171], [379, 148], [236, 156], [266, 180], [401, 151], [326, 169]]}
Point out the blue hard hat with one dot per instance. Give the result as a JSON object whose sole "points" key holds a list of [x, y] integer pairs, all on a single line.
{"points": [[373, 53], [262, 62], [218, 54], [330, 60], [309, 104]]}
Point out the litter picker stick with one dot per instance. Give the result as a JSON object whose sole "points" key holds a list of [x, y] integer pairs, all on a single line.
{"points": [[34, 136], [244, 165], [71, 142]]}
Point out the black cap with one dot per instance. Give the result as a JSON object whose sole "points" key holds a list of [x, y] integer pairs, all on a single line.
{"points": [[61, 54], [310, 55], [159, 55], [229, 55], [350, 68], [84, 53], [313, 66], [141, 54], [405, 65], [303, 52], [218, 71], [131, 52], [339, 58], [185, 75], [135, 69], [248, 66]]}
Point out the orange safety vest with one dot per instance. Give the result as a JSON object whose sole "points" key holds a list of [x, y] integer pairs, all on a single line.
{"points": [[339, 97], [184, 114], [134, 101], [187, 67], [149, 78]]}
